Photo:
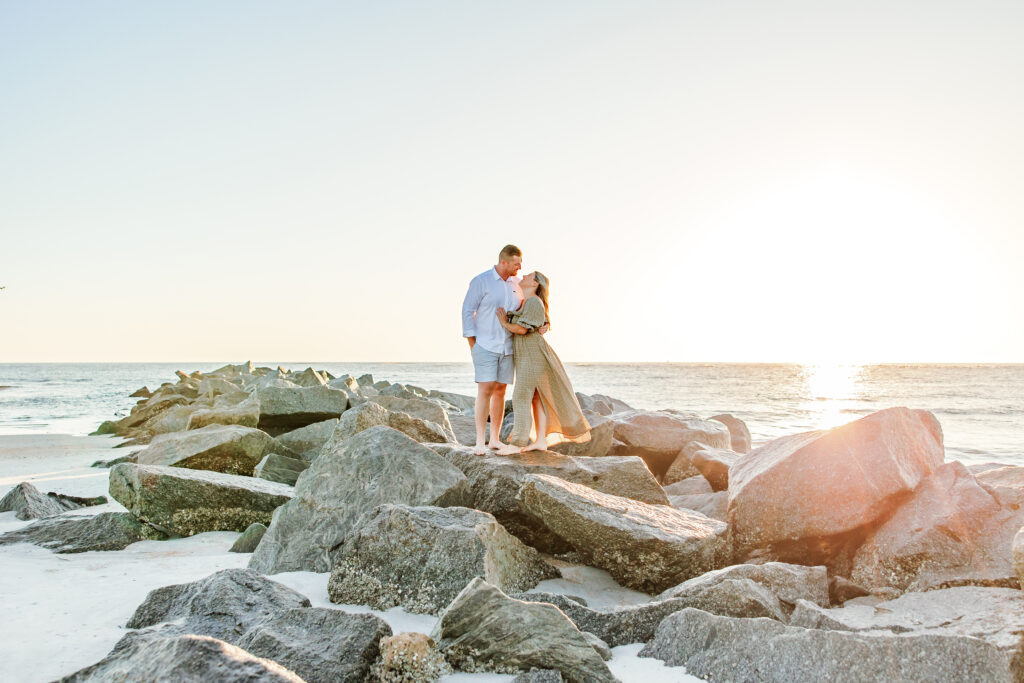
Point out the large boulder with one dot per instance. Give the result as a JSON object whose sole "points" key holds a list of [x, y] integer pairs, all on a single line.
{"points": [[307, 441], [646, 547], [495, 482], [373, 414], [223, 605], [347, 481], [79, 534], [485, 630], [728, 648], [739, 434], [788, 582], [27, 502], [286, 408], [995, 615], [245, 413], [183, 659], [308, 378], [134, 424], [185, 502], [952, 531], [321, 645], [658, 436], [420, 558], [231, 449], [682, 466], [794, 491]]}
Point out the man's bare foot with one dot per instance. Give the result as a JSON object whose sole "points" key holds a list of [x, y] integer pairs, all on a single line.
{"points": [[479, 449], [536, 446], [497, 444], [508, 450]]}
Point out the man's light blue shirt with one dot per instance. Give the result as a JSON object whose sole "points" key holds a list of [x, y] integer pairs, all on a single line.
{"points": [[487, 293]]}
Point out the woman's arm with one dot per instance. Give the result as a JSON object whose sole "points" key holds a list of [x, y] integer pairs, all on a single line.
{"points": [[514, 329]]}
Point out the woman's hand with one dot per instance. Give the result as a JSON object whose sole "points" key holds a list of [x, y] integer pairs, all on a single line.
{"points": [[502, 317]]}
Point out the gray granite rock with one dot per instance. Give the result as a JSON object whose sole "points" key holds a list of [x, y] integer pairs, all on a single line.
{"points": [[600, 647], [730, 649], [995, 615], [646, 547], [714, 505], [347, 481], [734, 597], [952, 531], [539, 676], [321, 645], [788, 582], [373, 414], [246, 413], [288, 408], [27, 502], [689, 486], [183, 659], [131, 457], [250, 538], [307, 441], [659, 436], [184, 502], [485, 630], [682, 467], [231, 449], [280, 468], [739, 434], [420, 558], [223, 605], [79, 534], [794, 491]]}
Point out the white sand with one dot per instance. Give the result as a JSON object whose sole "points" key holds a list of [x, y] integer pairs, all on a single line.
{"points": [[65, 612]]}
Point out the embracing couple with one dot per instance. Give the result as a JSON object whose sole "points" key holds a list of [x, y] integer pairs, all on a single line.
{"points": [[504, 318]]}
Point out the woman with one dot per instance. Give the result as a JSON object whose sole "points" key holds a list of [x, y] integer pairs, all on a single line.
{"points": [[541, 382]]}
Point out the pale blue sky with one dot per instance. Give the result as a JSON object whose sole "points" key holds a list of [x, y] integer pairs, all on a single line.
{"points": [[701, 181]]}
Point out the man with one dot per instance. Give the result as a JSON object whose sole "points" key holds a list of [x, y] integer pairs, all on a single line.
{"points": [[489, 343]]}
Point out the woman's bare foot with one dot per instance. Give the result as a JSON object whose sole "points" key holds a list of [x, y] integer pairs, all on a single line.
{"points": [[507, 449], [496, 444], [536, 446]]}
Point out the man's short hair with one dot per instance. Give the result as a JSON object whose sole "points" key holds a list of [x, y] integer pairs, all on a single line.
{"points": [[508, 251]]}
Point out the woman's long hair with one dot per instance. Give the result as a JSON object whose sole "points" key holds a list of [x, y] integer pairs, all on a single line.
{"points": [[542, 288]]}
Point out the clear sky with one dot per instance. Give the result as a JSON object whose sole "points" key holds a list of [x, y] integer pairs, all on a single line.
{"points": [[701, 181]]}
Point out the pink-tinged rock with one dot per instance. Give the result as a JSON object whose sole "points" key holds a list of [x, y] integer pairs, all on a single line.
{"points": [[820, 484], [951, 532]]}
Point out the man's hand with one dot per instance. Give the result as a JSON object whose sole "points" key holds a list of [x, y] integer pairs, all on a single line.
{"points": [[472, 342]]}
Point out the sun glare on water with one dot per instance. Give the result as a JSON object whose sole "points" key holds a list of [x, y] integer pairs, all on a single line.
{"points": [[830, 389]]}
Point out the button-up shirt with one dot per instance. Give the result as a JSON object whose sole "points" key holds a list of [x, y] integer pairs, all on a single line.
{"points": [[487, 293]]}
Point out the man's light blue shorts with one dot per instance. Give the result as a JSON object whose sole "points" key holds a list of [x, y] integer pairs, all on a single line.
{"points": [[489, 366]]}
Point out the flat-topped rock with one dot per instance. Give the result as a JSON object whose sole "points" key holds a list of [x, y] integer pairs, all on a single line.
{"points": [[486, 630], [184, 502], [321, 645], [347, 481], [231, 449], [825, 483], [495, 482], [420, 558], [646, 547], [727, 648], [952, 531], [288, 408], [995, 615], [373, 414], [245, 413], [788, 582]]}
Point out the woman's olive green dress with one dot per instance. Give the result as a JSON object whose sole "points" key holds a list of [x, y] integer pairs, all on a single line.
{"points": [[539, 370]]}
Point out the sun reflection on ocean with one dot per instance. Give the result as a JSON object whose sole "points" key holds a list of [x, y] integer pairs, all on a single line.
{"points": [[830, 389]]}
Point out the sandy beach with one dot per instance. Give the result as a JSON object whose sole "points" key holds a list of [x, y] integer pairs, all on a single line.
{"points": [[66, 611]]}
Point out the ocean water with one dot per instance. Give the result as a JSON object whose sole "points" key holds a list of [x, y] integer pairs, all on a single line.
{"points": [[980, 407]]}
